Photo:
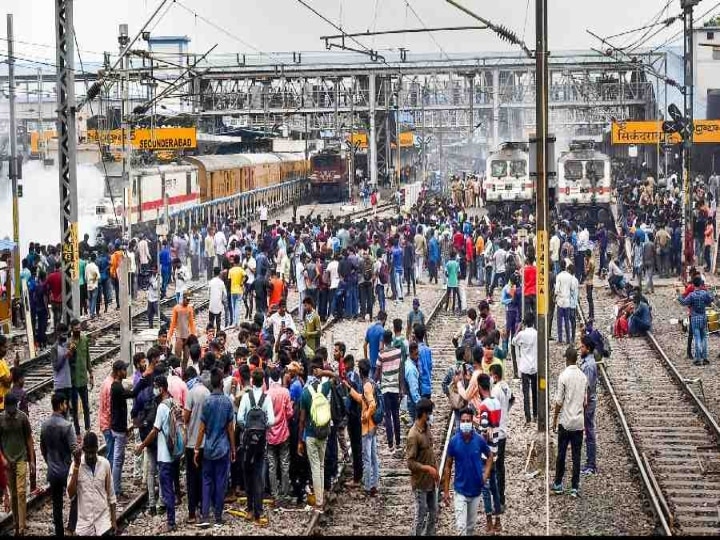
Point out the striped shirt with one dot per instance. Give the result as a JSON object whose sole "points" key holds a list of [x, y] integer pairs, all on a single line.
{"points": [[389, 360]]}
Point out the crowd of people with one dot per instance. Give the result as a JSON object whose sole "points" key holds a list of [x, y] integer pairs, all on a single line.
{"points": [[269, 421]]}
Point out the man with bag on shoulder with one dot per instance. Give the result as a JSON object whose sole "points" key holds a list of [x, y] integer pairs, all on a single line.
{"points": [[170, 433], [315, 416], [371, 415]]}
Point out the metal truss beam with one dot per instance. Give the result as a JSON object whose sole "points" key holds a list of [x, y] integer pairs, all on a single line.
{"points": [[67, 146]]}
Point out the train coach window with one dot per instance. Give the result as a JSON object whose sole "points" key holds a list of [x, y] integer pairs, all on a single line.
{"points": [[518, 168], [573, 170], [498, 169], [594, 169]]}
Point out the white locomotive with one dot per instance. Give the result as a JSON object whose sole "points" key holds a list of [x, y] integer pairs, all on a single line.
{"points": [[508, 186], [584, 184]]}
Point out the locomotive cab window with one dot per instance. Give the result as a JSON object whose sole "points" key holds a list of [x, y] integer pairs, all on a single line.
{"points": [[573, 170], [498, 169], [594, 169], [518, 168]]}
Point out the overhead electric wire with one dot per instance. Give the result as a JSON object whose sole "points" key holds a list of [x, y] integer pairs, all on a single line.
{"points": [[227, 32], [634, 41], [678, 34], [409, 5]]}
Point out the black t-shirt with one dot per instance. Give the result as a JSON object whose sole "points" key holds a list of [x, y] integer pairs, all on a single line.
{"points": [[118, 407]]}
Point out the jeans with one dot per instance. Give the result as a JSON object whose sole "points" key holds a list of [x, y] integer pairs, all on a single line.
{"points": [[700, 337], [573, 322], [118, 460], [590, 436], [57, 490], [649, 270], [574, 438], [355, 433], [490, 495], [215, 320], [530, 306], [332, 299], [432, 270], [82, 393], [455, 293], [254, 472], [500, 467], [466, 510], [480, 269], [351, 300], [278, 458], [150, 472], [209, 265], [591, 303], [563, 322], [410, 279], [366, 298], [392, 417], [323, 300], [371, 465], [498, 280], [426, 511], [152, 310], [165, 275], [167, 488], [380, 293], [529, 384], [235, 300], [214, 481], [106, 289], [93, 297], [315, 449], [331, 457], [193, 480], [398, 282], [109, 446], [412, 411]]}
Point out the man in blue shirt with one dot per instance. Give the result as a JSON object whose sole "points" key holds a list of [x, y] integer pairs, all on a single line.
{"points": [[105, 286], [397, 277], [217, 430], [473, 463], [425, 362], [165, 267], [373, 337], [412, 381], [588, 366], [433, 257]]}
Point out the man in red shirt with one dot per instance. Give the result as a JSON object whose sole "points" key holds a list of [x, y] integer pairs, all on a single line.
{"points": [[277, 288], [530, 285], [458, 240], [469, 257], [54, 284]]}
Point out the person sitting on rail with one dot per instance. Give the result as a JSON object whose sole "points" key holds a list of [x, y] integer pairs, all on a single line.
{"points": [[641, 319], [616, 278]]}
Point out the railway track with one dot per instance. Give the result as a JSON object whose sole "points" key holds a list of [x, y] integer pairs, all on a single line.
{"points": [[391, 511], [673, 437]]}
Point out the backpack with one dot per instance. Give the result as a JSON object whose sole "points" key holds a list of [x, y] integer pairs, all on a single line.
{"points": [[320, 413], [607, 348], [145, 419], [255, 431], [469, 339], [175, 437], [379, 405], [384, 274], [338, 408], [367, 268], [510, 263]]}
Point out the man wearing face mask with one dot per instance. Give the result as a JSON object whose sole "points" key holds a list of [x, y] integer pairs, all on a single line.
{"points": [[58, 444], [420, 452], [19, 451], [473, 463], [91, 482], [60, 356]]}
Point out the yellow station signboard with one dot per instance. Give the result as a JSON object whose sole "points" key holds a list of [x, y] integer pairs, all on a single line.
{"points": [[650, 132], [149, 139]]}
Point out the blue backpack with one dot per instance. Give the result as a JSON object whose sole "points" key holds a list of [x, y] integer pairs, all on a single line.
{"points": [[379, 405]]}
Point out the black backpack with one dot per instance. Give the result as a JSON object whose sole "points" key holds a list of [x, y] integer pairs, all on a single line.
{"points": [[510, 263], [367, 268], [338, 411], [145, 419], [255, 431]]}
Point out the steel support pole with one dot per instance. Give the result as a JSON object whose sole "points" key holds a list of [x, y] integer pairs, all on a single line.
{"points": [[67, 148], [687, 214], [14, 161], [372, 143], [397, 129], [542, 206]]}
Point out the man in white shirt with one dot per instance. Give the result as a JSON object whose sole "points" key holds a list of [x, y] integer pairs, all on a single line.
{"points": [[153, 295], [90, 480], [181, 279], [570, 402], [92, 279], [333, 270], [563, 289], [263, 211], [526, 341], [502, 393], [209, 244], [499, 258], [218, 297], [249, 265], [220, 244], [143, 250], [280, 321]]}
